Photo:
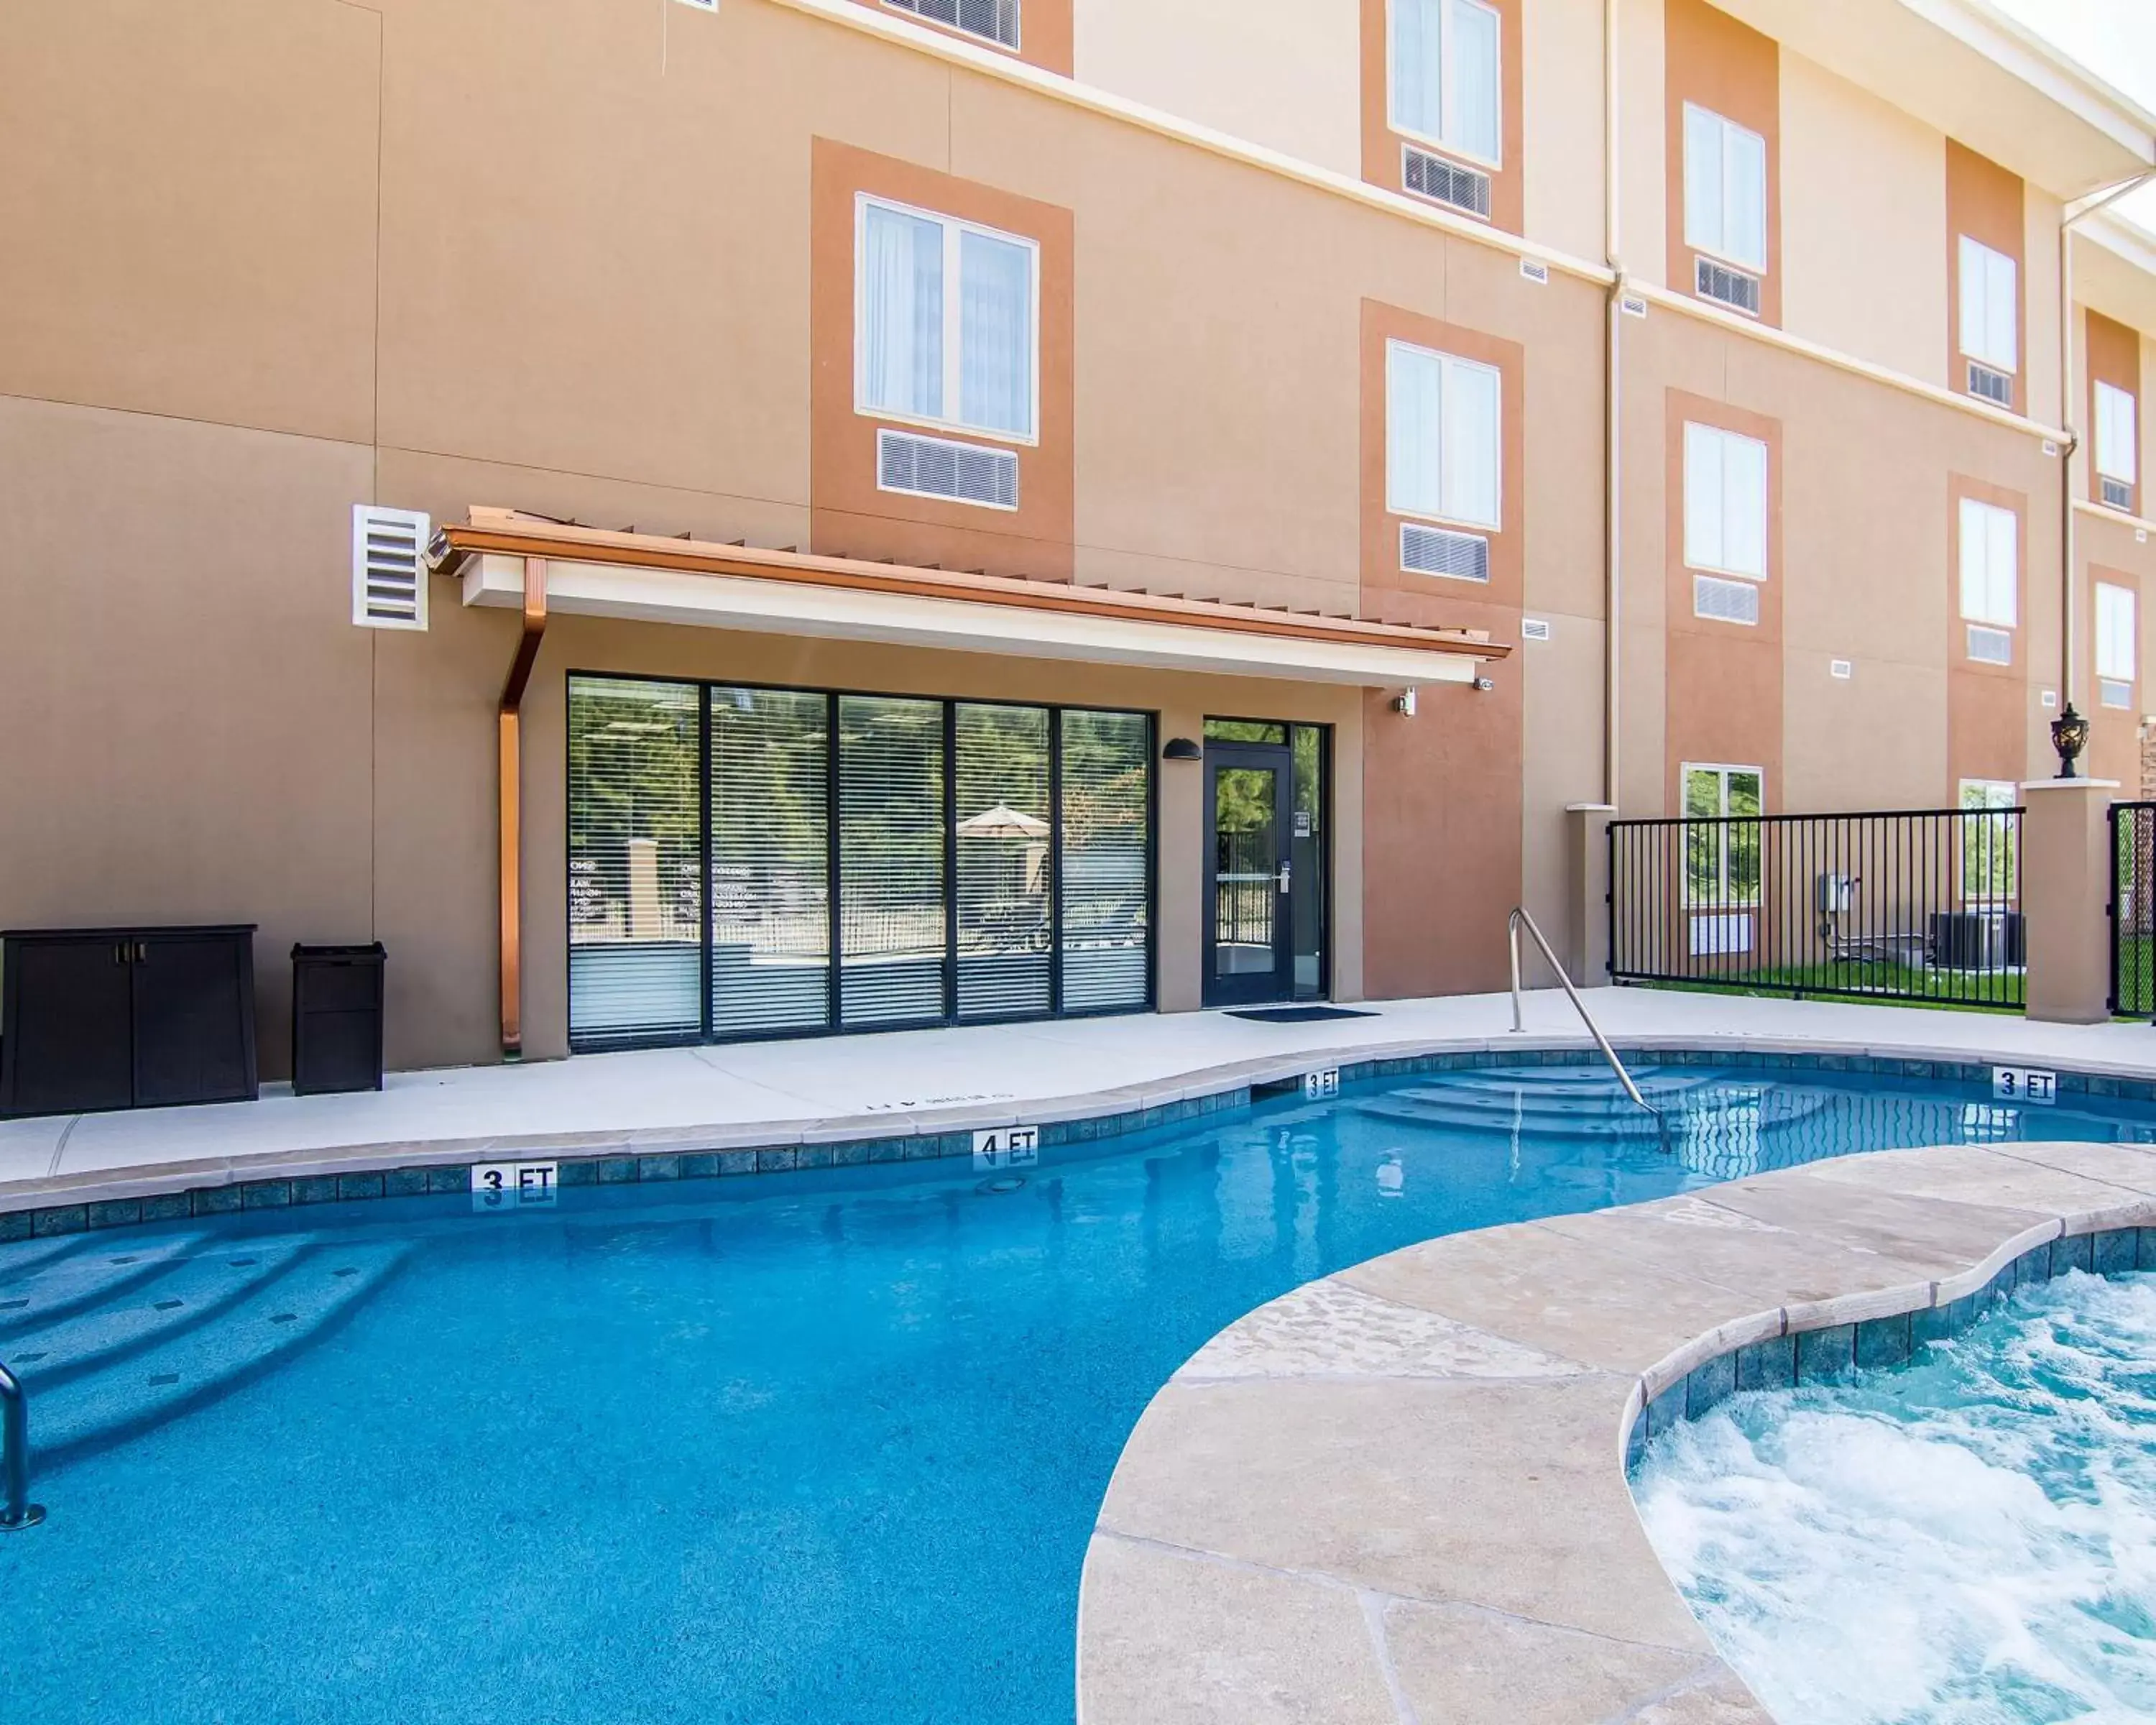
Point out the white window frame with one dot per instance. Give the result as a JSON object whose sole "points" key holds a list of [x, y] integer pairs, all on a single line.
{"points": [[1974, 340], [1718, 438], [1013, 49], [2008, 618], [1449, 363], [954, 227], [1446, 97], [1985, 848], [2118, 650], [1719, 247], [1726, 897], [2117, 421]]}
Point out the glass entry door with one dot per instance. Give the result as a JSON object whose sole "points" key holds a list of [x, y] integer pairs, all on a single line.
{"points": [[1249, 944]]}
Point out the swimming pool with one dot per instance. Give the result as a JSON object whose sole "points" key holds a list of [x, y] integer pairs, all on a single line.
{"points": [[1967, 1540], [824, 1446]]}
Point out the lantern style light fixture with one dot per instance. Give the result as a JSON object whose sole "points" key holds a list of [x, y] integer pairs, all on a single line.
{"points": [[1182, 748], [2069, 735]]}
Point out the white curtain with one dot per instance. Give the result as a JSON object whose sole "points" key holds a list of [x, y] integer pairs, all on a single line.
{"points": [[1704, 497], [1989, 333], [1418, 66], [995, 346], [1472, 413], [1415, 395], [1725, 501], [2114, 632], [1473, 123], [1744, 180], [2116, 454], [1702, 178], [1990, 564], [902, 314]]}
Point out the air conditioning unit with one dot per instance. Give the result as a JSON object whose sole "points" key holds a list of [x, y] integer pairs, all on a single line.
{"points": [[1439, 551], [388, 568], [1986, 384], [1446, 182], [1722, 601], [1990, 646], [936, 467], [1728, 287], [2118, 494]]}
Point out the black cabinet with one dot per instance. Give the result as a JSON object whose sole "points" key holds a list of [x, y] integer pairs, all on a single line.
{"points": [[121, 1018]]}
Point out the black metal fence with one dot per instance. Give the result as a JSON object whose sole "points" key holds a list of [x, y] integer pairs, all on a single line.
{"points": [[1920, 905], [2132, 909]]}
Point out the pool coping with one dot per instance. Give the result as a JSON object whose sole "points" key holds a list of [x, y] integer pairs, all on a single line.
{"points": [[123, 1195], [1399, 1492]]}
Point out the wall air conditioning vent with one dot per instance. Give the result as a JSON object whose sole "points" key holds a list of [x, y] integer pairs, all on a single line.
{"points": [[1446, 182], [936, 467], [1988, 385], [1534, 628], [1990, 646], [2111, 692], [2118, 494], [1537, 273], [1728, 287], [1724, 601], [992, 20], [388, 568], [1438, 551], [1633, 305]]}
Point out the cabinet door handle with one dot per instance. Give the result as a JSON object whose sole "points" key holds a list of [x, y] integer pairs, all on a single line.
{"points": [[141, 952], [119, 953]]}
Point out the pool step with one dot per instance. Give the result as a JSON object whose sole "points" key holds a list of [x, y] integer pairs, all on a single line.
{"points": [[33, 1295], [192, 1292], [264, 1326], [1585, 1104]]}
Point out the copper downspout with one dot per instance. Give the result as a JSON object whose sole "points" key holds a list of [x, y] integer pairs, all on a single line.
{"points": [[512, 792]]}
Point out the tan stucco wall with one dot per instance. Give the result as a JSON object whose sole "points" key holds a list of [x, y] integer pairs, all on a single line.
{"points": [[1643, 143], [1863, 224], [1563, 42], [1288, 77]]}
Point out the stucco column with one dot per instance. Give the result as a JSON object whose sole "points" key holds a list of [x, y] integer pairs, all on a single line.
{"points": [[2065, 885], [1584, 942]]}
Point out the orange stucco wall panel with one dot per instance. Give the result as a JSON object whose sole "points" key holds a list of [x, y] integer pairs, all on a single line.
{"points": [[1716, 61]]}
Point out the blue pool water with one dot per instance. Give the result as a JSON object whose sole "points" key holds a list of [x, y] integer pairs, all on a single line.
{"points": [[1969, 1540], [806, 1448]]}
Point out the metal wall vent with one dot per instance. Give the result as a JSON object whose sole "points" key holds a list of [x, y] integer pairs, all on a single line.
{"points": [[1724, 601], [2113, 693], [1728, 287], [1840, 669], [1988, 385], [1438, 551], [992, 20], [388, 568], [1534, 272], [1446, 182], [936, 467], [1633, 305], [1990, 646], [1534, 628], [2118, 494]]}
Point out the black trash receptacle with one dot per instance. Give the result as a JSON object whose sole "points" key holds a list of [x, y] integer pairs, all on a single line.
{"points": [[337, 1019]]}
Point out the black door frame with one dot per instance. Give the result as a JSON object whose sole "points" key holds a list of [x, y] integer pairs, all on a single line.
{"points": [[1256, 988]]}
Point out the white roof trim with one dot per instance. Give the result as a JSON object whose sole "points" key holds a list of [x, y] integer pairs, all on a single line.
{"points": [[496, 579]]}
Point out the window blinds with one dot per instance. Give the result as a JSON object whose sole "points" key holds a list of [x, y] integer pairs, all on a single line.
{"points": [[1990, 564], [1005, 873], [890, 860], [2118, 455], [1725, 176], [1989, 306], [1725, 501], [1108, 859], [1444, 420]]}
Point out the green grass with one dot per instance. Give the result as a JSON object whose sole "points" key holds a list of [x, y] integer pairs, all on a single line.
{"points": [[1882, 983]]}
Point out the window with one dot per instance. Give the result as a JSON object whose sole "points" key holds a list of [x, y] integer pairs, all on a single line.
{"points": [[1444, 64], [2117, 453], [752, 862], [992, 20], [1725, 170], [1722, 842], [1988, 840], [1990, 564], [1989, 307], [945, 322], [1724, 502], [2115, 644], [1442, 418]]}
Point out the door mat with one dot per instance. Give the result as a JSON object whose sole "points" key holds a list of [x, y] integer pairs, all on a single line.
{"points": [[1298, 1015]]}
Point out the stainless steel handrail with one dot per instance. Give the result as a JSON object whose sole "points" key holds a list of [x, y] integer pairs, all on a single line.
{"points": [[15, 1510], [1520, 919]]}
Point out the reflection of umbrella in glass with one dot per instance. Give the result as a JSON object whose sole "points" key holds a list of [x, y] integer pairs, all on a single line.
{"points": [[1002, 822]]}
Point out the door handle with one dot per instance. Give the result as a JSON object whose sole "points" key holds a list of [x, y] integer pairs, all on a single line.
{"points": [[141, 952], [1286, 871]]}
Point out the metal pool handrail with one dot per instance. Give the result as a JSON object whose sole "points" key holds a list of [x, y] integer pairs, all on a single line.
{"points": [[1520, 919], [15, 1512]]}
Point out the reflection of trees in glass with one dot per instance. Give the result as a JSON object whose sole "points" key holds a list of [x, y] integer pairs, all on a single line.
{"points": [[1721, 848], [770, 790], [1988, 853], [1107, 784], [632, 759], [891, 824]]}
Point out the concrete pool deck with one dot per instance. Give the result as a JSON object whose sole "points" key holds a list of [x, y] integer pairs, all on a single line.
{"points": [[1397, 1494], [836, 1089]]}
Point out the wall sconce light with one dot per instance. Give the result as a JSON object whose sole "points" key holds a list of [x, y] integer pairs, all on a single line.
{"points": [[1182, 748], [1483, 685], [1404, 703]]}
